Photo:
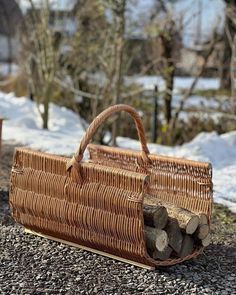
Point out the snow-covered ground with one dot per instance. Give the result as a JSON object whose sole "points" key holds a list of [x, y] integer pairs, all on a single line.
{"points": [[148, 82], [22, 125]]}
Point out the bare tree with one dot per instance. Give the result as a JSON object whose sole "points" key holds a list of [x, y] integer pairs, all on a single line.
{"points": [[229, 31], [165, 35], [40, 57], [190, 90], [118, 9]]}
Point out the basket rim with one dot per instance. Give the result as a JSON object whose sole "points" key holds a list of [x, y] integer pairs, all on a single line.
{"points": [[125, 151], [136, 153]]}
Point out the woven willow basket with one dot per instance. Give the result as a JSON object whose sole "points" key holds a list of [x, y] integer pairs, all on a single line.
{"points": [[97, 205]]}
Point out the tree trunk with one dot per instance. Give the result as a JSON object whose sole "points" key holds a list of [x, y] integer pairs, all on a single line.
{"points": [[225, 80], [46, 100], [119, 12], [169, 85], [168, 72], [229, 31], [9, 42]]}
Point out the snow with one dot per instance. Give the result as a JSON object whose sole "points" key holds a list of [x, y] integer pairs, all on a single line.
{"points": [[148, 82], [23, 126]]}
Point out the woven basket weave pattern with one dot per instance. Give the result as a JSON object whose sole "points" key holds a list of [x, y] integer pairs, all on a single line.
{"points": [[184, 183], [103, 212], [99, 203]]}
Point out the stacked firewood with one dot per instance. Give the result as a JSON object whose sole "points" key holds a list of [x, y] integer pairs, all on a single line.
{"points": [[171, 231]]}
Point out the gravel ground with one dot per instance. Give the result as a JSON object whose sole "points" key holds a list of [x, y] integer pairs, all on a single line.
{"points": [[32, 265]]}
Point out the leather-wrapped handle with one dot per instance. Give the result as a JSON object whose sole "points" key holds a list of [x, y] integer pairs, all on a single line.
{"points": [[77, 158]]}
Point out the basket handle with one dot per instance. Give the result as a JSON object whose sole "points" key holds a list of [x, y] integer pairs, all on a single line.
{"points": [[77, 158]]}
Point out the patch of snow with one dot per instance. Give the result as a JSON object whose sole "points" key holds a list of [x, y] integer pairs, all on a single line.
{"points": [[149, 82], [23, 126]]}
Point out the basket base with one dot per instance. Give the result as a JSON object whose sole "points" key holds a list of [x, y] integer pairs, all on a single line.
{"points": [[29, 231]]}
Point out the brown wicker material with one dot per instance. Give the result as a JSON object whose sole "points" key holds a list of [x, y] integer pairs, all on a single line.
{"points": [[185, 183], [98, 204]]}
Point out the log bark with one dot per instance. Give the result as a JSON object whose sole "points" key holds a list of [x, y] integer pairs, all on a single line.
{"points": [[187, 246], [155, 216], [163, 255], [203, 231], [156, 239], [174, 234], [187, 220], [206, 242]]}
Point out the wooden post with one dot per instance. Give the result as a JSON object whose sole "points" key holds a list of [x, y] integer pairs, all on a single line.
{"points": [[155, 114]]}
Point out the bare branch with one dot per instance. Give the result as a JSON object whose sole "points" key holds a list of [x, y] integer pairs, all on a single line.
{"points": [[191, 88]]}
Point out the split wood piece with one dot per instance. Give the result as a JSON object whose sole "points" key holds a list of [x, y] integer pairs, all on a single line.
{"points": [[174, 234], [156, 239], [187, 220], [203, 231], [155, 216], [187, 246], [206, 242], [163, 255]]}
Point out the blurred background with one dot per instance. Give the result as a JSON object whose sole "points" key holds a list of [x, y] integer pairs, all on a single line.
{"points": [[173, 60]]}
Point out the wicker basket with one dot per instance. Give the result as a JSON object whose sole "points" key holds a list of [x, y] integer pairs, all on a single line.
{"points": [[97, 204]]}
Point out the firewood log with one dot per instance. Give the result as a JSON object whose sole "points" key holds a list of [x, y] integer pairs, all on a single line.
{"points": [[206, 242], [156, 239], [202, 231], [187, 220], [162, 255], [187, 246], [203, 218], [155, 216], [174, 234]]}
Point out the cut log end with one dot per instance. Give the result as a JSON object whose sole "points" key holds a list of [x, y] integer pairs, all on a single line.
{"points": [[203, 231], [203, 218], [192, 225], [187, 220], [206, 242], [155, 216], [156, 239]]}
